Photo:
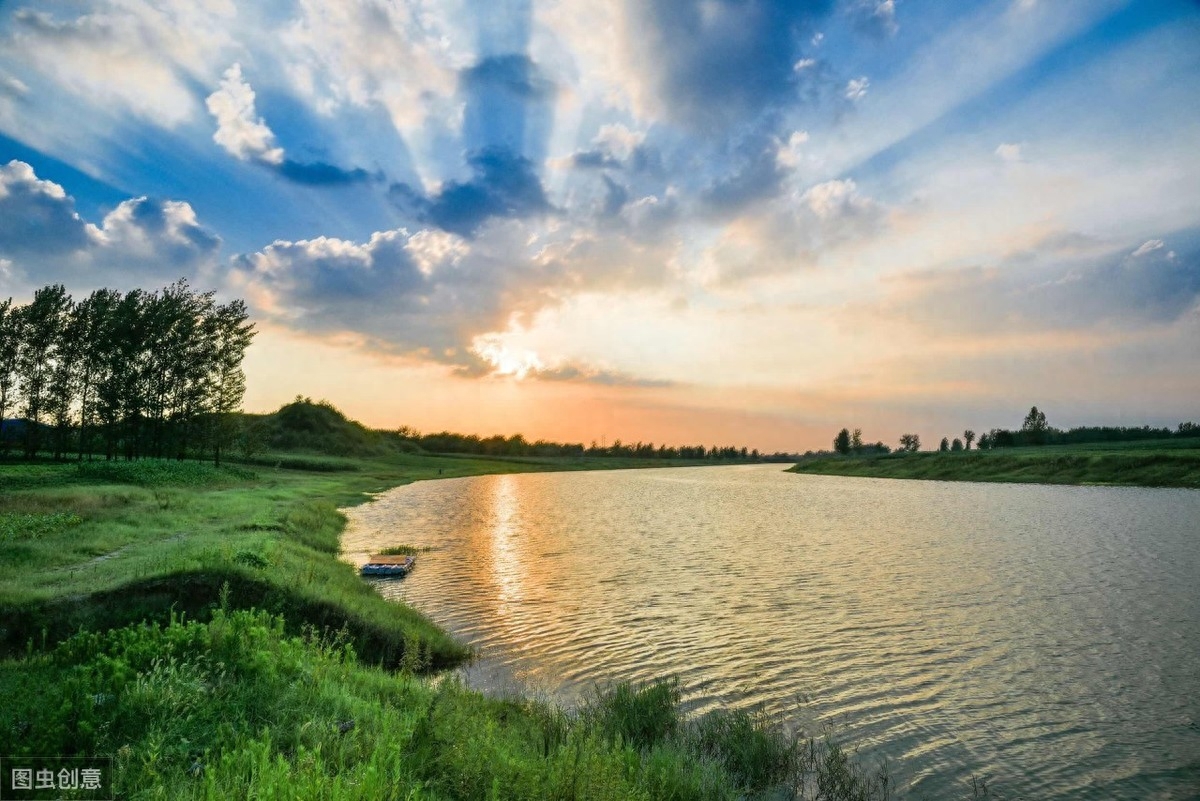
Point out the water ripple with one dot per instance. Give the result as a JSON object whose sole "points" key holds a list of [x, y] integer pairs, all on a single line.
{"points": [[1043, 638]]}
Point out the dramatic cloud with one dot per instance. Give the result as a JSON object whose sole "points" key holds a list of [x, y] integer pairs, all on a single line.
{"points": [[37, 217], [244, 135], [43, 237], [588, 192], [504, 185], [722, 61]]}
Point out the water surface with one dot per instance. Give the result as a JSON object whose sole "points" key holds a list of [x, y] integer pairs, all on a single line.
{"points": [[1047, 638]]}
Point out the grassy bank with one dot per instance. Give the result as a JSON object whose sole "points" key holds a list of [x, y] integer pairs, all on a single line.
{"points": [[320, 690], [1168, 463], [236, 708]]}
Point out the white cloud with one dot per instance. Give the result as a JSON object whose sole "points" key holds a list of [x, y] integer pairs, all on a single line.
{"points": [[856, 89], [1149, 247], [618, 141], [141, 241], [239, 130], [14, 87], [798, 232], [1008, 151], [143, 57], [789, 154]]}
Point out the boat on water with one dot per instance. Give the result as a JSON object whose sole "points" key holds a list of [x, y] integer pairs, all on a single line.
{"points": [[388, 565]]}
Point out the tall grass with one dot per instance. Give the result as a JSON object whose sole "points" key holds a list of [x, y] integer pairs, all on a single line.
{"points": [[237, 708]]}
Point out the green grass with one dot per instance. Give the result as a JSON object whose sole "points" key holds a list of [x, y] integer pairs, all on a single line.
{"points": [[104, 544], [1169, 463], [237, 708], [292, 677]]}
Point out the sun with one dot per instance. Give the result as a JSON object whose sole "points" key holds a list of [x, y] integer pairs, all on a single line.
{"points": [[506, 361]]}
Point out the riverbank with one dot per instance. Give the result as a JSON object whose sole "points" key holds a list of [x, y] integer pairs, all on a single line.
{"points": [[323, 690], [1137, 464]]}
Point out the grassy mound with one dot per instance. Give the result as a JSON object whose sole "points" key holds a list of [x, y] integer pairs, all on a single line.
{"points": [[318, 428]]}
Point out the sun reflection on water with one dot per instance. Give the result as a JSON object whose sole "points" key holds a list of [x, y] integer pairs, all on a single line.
{"points": [[505, 550]]}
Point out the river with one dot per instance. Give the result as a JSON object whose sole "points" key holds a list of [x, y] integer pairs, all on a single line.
{"points": [[1044, 638]]}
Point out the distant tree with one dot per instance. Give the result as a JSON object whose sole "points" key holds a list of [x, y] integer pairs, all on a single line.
{"points": [[910, 443], [841, 443], [956, 445], [945, 445], [985, 442], [856, 443], [969, 437], [1034, 427]]}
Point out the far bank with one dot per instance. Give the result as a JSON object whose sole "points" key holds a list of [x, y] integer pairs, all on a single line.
{"points": [[1137, 464]]}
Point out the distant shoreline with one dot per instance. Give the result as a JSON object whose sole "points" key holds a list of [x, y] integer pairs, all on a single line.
{"points": [[1134, 465]]}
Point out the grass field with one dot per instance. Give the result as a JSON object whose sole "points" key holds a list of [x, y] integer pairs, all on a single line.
{"points": [[1152, 463], [324, 690]]}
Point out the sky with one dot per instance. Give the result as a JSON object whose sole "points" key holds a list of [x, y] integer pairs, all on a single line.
{"points": [[680, 221]]}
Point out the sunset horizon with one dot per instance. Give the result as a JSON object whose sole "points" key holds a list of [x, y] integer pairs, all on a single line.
{"points": [[705, 223]]}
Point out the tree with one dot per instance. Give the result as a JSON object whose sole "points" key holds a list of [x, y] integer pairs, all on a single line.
{"points": [[94, 315], [856, 443], [37, 352], [910, 443], [841, 443], [945, 445], [985, 442], [1034, 427], [10, 338], [232, 335], [956, 445], [969, 437], [64, 379]]}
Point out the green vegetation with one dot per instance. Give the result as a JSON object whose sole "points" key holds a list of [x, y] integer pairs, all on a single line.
{"points": [[322, 690], [1038, 453], [236, 708], [136, 374], [1148, 463]]}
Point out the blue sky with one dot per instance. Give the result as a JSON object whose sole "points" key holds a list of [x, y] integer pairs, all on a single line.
{"points": [[651, 219]]}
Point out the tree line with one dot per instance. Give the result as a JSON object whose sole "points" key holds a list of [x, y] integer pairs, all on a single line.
{"points": [[133, 375], [1034, 431], [517, 445]]}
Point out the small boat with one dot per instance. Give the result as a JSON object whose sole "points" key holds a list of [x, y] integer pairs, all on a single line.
{"points": [[386, 565]]}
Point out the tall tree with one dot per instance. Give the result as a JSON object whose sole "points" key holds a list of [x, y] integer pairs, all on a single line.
{"points": [[232, 334], [94, 316], [968, 437], [841, 443], [36, 354], [910, 443], [945, 445], [64, 379], [10, 339]]}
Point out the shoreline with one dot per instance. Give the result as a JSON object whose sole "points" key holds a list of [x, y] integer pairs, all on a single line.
{"points": [[1176, 468], [270, 668]]}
